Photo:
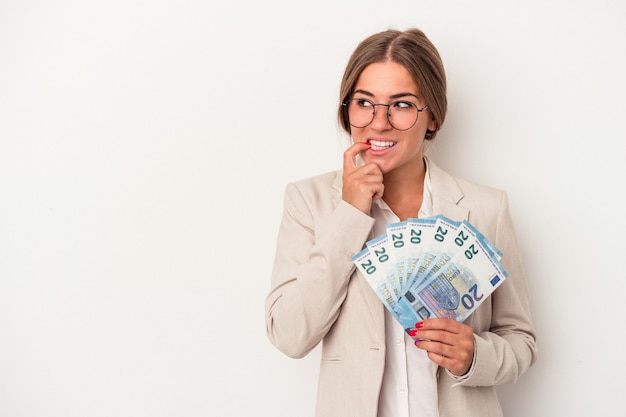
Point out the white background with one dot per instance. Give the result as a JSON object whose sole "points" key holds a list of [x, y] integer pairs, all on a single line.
{"points": [[145, 147]]}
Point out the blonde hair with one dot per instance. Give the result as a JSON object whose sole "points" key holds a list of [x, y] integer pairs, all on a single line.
{"points": [[413, 50]]}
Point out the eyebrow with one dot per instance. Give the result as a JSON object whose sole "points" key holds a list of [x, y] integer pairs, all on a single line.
{"points": [[393, 96]]}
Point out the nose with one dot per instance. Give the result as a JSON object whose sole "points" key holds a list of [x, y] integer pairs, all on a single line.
{"points": [[381, 117]]}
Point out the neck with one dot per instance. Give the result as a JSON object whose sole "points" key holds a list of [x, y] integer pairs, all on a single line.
{"points": [[404, 190]]}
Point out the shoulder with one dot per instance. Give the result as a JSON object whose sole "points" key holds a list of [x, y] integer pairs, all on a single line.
{"points": [[316, 186], [480, 192], [458, 198], [315, 195], [461, 190]]}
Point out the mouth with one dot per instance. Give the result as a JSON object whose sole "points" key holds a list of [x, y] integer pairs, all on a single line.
{"points": [[379, 145]]}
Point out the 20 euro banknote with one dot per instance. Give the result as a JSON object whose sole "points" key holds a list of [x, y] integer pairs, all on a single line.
{"points": [[431, 267]]}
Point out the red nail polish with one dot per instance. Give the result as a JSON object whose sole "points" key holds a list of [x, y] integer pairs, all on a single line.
{"points": [[419, 324], [417, 343], [412, 332]]}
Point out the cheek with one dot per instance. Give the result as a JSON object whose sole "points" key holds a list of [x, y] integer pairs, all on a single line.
{"points": [[416, 138], [357, 135]]}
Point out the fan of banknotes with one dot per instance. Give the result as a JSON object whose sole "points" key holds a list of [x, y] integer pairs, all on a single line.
{"points": [[431, 267]]}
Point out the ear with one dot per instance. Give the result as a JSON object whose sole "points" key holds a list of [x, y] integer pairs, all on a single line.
{"points": [[432, 125]]}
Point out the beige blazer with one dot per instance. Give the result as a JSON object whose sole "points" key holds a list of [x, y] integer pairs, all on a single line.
{"points": [[317, 296]]}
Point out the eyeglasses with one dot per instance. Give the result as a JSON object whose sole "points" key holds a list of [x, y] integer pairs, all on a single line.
{"points": [[402, 115]]}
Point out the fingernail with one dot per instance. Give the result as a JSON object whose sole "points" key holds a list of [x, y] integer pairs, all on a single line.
{"points": [[412, 333], [417, 343], [419, 324]]}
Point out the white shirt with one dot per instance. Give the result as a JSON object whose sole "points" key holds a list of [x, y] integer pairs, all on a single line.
{"points": [[409, 387]]}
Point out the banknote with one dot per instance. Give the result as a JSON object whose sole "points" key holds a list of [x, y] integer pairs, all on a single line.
{"points": [[396, 234], [417, 233], [431, 267], [467, 227], [370, 267], [460, 286], [387, 259], [437, 247]]}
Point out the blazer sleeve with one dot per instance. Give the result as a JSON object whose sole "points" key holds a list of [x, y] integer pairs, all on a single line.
{"points": [[508, 348], [312, 266]]}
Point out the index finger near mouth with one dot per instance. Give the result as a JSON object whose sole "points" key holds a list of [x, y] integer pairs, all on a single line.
{"points": [[349, 156]]}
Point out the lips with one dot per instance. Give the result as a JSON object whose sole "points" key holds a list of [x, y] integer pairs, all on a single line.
{"points": [[379, 145]]}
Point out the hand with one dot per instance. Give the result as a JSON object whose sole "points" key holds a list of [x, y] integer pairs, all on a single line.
{"points": [[361, 185], [449, 344]]}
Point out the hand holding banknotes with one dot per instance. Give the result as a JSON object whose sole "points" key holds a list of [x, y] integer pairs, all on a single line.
{"points": [[362, 184], [449, 344], [431, 274]]}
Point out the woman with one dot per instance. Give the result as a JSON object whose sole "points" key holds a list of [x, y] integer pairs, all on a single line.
{"points": [[392, 101]]}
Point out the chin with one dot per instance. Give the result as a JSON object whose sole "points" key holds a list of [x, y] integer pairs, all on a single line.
{"points": [[383, 166]]}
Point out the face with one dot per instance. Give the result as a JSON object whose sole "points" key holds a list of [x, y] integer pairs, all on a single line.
{"points": [[391, 149]]}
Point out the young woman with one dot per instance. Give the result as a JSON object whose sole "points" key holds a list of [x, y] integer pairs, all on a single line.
{"points": [[392, 101]]}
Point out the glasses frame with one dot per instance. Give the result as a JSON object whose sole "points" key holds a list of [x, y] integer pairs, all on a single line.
{"points": [[374, 105]]}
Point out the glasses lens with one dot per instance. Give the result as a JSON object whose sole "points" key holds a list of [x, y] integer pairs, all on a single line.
{"points": [[402, 115], [360, 112]]}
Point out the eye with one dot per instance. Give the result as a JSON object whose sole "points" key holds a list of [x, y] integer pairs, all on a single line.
{"points": [[401, 105], [361, 102]]}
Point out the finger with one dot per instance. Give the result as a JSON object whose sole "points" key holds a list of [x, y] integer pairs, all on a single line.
{"points": [[365, 173], [452, 365], [448, 325], [445, 331], [376, 189], [360, 189], [452, 350], [456, 361], [460, 354], [349, 156]]}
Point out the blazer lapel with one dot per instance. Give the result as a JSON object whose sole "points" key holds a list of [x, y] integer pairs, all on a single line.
{"points": [[446, 194], [337, 186]]}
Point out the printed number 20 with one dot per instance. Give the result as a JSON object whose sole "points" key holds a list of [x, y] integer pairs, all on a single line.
{"points": [[468, 300]]}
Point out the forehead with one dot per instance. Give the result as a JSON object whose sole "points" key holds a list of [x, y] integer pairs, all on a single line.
{"points": [[384, 79]]}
